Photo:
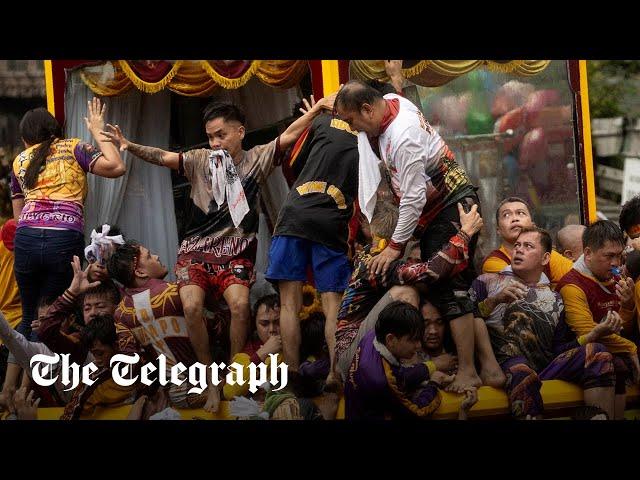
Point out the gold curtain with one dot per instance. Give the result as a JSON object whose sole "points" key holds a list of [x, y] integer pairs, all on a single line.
{"points": [[433, 73], [196, 78], [282, 73]]}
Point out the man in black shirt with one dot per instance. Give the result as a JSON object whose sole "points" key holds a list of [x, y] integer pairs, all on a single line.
{"points": [[312, 231]]}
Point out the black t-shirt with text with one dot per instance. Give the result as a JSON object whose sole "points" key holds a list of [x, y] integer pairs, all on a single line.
{"points": [[320, 203]]}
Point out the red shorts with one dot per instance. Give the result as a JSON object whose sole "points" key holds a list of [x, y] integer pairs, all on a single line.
{"points": [[213, 278]]}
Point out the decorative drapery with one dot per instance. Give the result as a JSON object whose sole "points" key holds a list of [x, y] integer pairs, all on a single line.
{"points": [[141, 201], [194, 78], [434, 73]]}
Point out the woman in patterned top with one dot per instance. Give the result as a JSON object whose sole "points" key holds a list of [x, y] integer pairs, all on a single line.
{"points": [[48, 188]]}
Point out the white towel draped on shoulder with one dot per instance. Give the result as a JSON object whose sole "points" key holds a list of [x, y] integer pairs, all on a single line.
{"points": [[368, 176]]}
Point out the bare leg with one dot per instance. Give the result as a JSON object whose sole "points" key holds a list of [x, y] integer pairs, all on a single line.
{"points": [[327, 403], [602, 397], [464, 337], [491, 374], [330, 306], [237, 297], [290, 304], [620, 404], [192, 297], [406, 293]]}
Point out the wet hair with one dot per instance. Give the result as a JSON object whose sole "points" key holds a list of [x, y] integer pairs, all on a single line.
{"points": [[45, 301], [270, 301], [399, 318], [102, 328], [121, 263], [630, 214], [226, 111], [385, 219], [106, 289], [512, 200], [312, 341], [38, 126], [356, 93], [633, 265], [543, 235], [598, 233]]}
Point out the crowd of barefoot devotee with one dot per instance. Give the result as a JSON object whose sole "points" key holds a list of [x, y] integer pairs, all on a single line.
{"points": [[381, 220]]}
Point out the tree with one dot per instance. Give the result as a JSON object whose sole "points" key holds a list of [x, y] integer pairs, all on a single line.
{"points": [[610, 83]]}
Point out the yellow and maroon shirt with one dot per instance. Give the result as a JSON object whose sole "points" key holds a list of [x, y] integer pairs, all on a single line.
{"points": [[57, 199]]}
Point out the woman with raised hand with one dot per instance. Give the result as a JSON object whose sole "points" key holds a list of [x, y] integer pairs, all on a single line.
{"points": [[48, 189]]}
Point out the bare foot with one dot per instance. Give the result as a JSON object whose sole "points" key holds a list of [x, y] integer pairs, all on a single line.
{"points": [[493, 377], [464, 380], [333, 384], [327, 403]]}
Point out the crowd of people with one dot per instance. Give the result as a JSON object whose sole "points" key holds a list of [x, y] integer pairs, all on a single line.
{"points": [[404, 313]]}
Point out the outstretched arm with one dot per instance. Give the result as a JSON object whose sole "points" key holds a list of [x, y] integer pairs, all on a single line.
{"points": [[110, 163], [394, 71], [154, 155], [291, 134]]}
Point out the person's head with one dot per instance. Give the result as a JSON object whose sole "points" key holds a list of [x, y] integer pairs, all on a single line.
{"points": [[531, 252], [134, 265], [603, 243], [38, 126], [512, 215], [434, 327], [385, 218], [100, 338], [414, 253], [400, 328], [100, 300], [224, 126], [630, 217], [267, 313], [569, 241], [43, 305], [360, 105], [632, 265], [98, 269], [312, 339], [589, 412]]}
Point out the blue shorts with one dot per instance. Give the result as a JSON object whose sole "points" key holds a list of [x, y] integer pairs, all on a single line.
{"points": [[290, 256]]}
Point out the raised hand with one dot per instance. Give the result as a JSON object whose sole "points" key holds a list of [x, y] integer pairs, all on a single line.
{"points": [[25, 405], [114, 135], [612, 324], [625, 290], [80, 282], [470, 223], [272, 345], [95, 115]]}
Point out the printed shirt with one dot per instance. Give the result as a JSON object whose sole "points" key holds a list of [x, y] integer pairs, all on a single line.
{"points": [[525, 327], [151, 317], [588, 300], [58, 197], [320, 203], [211, 235], [421, 170]]}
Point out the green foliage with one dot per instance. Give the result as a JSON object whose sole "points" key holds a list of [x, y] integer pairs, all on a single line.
{"points": [[609, 82]]}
